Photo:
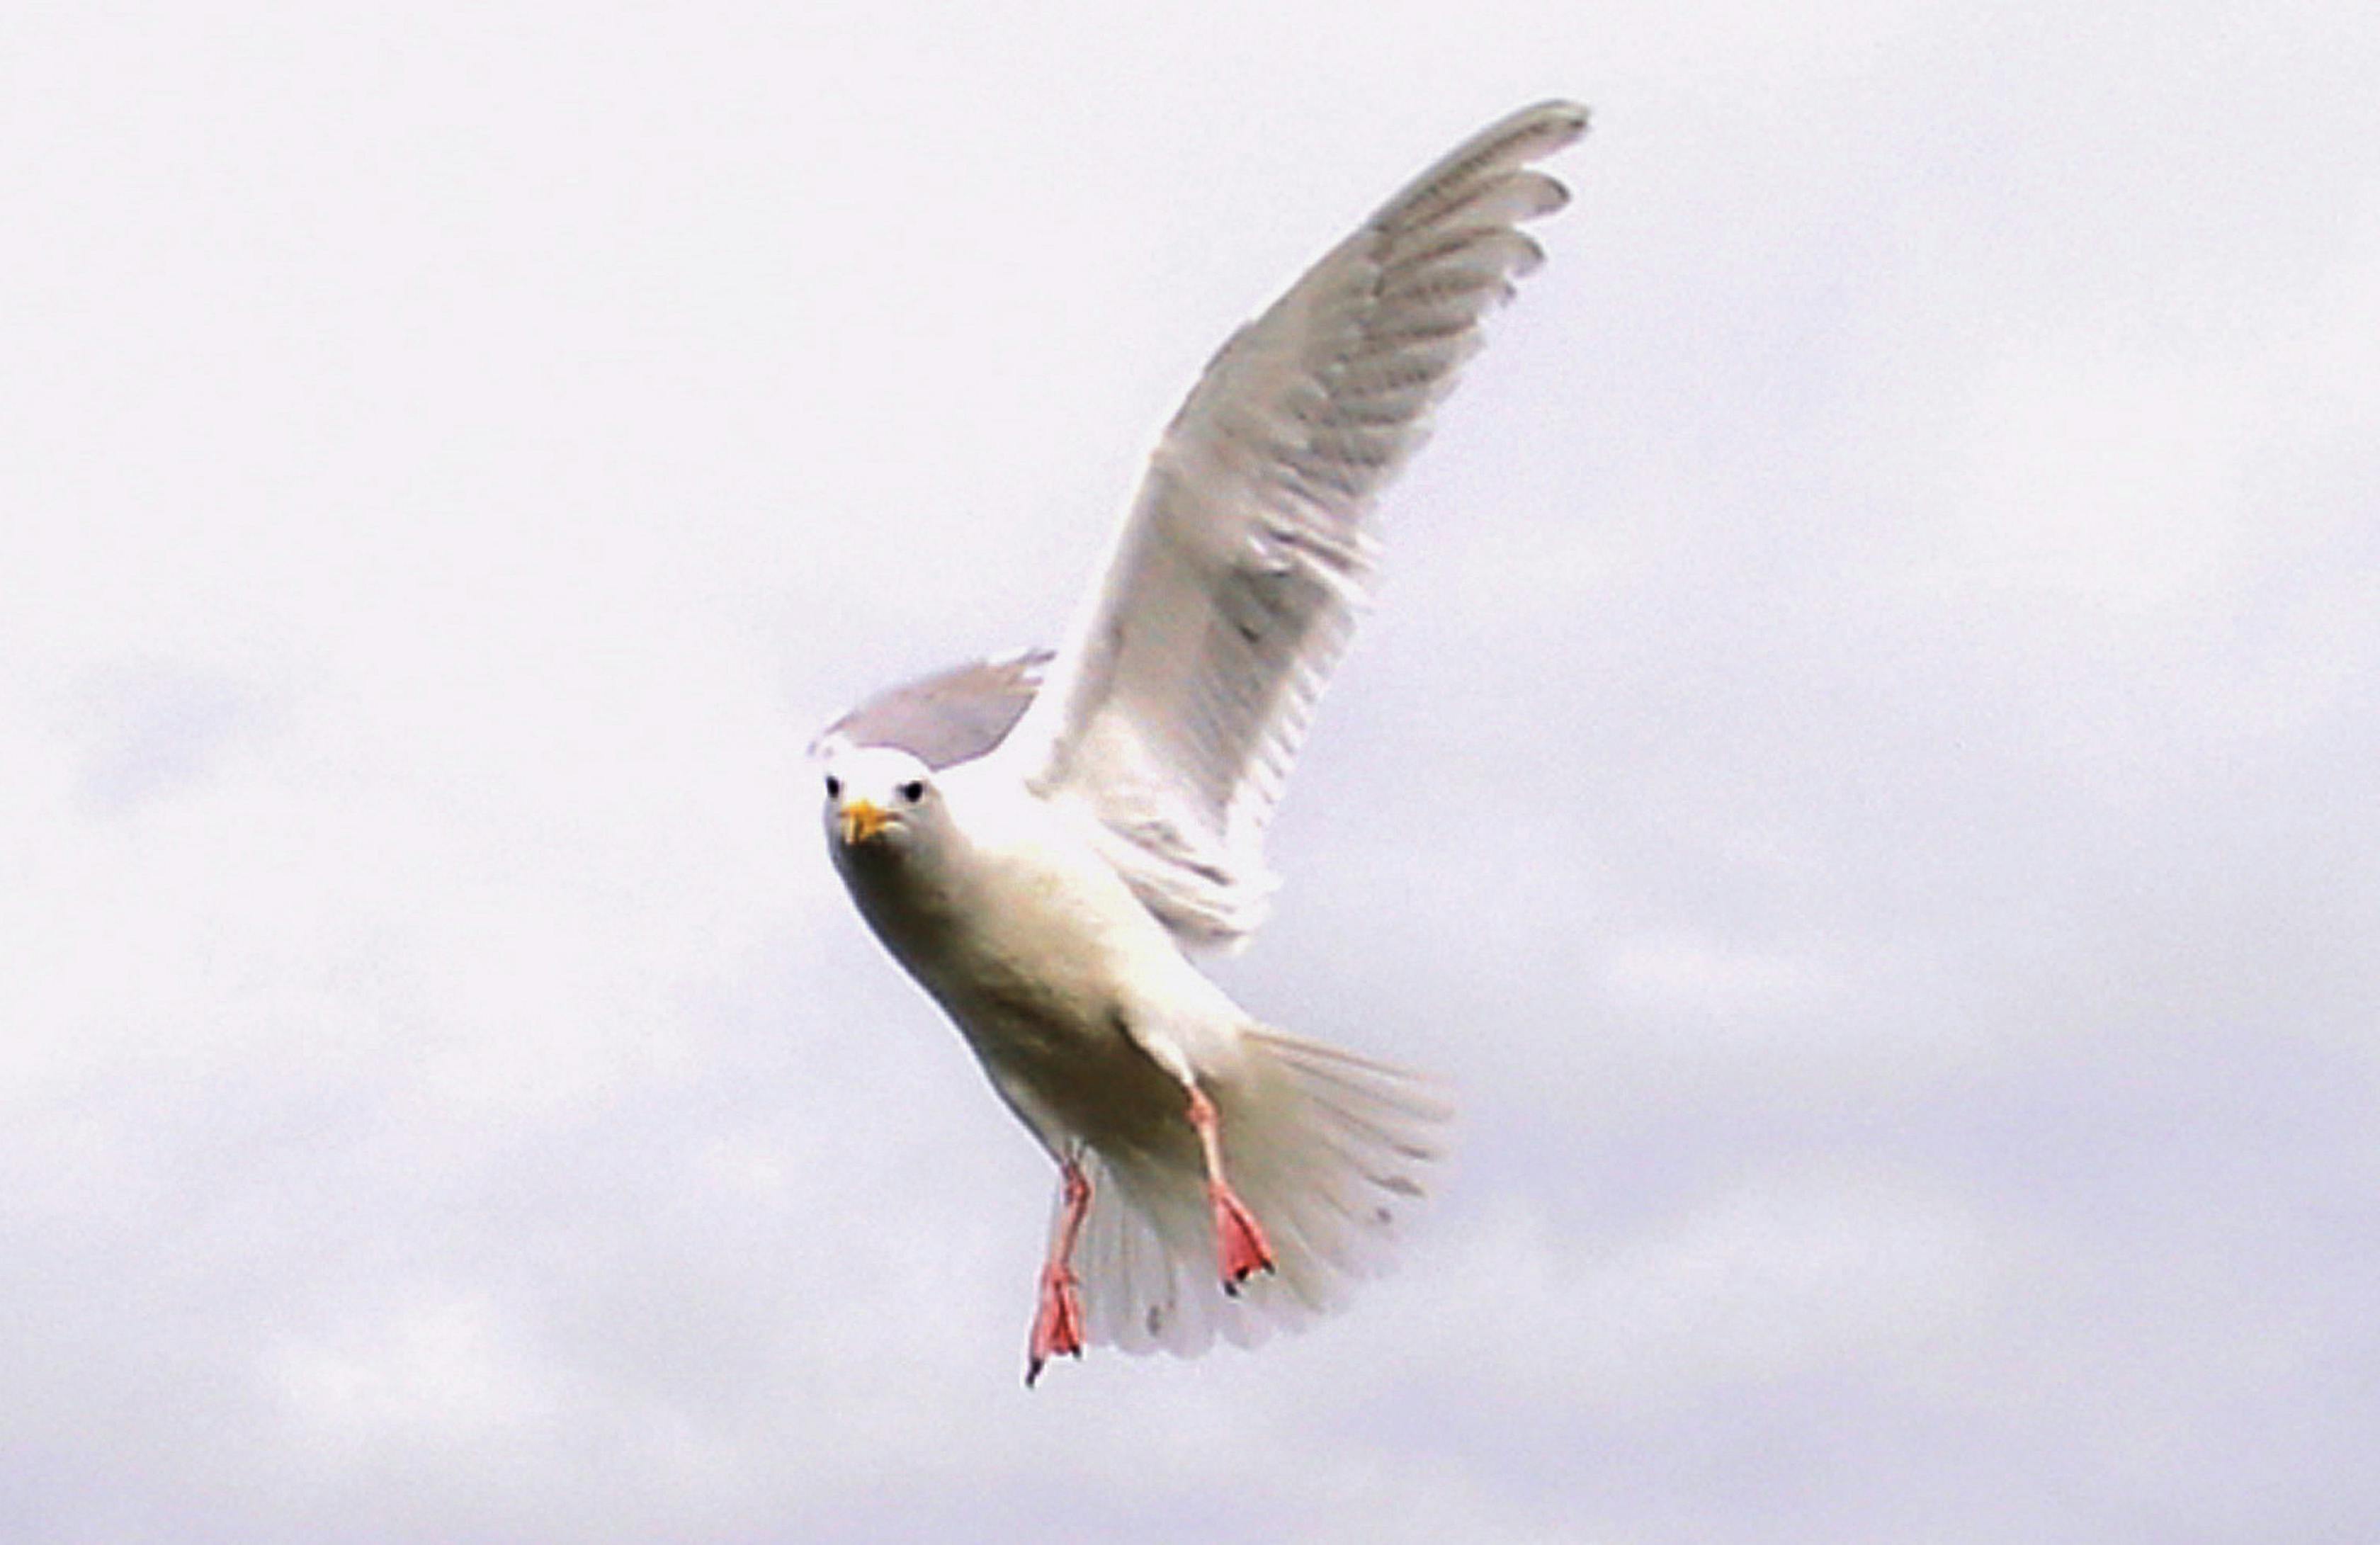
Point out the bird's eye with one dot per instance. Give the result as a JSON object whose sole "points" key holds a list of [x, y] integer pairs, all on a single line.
{"points": [[913, 790], [833, 786]]}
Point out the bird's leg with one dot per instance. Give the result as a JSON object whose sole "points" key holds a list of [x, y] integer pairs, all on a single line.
{"points": [[1239, 1240], [1058, 1322]]}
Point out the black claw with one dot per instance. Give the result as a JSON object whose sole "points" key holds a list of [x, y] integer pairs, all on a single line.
{"points": [[1033, 1365]]}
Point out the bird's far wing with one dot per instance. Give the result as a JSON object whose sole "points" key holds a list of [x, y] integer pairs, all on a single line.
{"points": [[1176, 709], [949, 717]]}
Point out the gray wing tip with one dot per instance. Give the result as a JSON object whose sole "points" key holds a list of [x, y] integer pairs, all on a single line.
{"points": [[1556, 121], [1494, 156], [1546, 195], [1529, 133]]}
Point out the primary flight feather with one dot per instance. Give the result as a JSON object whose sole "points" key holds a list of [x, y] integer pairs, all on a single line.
{"points": [[1041, 840]]}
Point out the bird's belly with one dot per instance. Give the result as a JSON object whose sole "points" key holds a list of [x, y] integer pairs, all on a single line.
{"points": [[1036, 980], [1059, 1040], [1087, 1074]]}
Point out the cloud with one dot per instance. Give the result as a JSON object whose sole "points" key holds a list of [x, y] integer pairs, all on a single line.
{"points": [[1855, 772]]}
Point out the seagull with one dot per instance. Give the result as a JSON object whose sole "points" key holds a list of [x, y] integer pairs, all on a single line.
{"points": [[1044, 841]]}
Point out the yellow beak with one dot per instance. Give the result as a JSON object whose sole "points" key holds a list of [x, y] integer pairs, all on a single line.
{"points": [[862, 820]]}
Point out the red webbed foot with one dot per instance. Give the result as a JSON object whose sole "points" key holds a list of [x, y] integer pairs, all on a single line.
{"points": [[1239, 1239], [1058, 1318]]}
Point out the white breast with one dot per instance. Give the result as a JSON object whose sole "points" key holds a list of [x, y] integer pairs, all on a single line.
{"points": [[1062, 982]]}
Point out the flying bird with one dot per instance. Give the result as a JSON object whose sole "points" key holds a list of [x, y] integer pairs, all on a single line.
{"points": [[1045, 840]]}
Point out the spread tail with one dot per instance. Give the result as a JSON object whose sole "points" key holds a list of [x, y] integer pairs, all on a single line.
{"points": [[1329, 1149]]}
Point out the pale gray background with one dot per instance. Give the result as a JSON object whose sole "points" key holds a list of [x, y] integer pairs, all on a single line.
{"points": [[1863, 770]]}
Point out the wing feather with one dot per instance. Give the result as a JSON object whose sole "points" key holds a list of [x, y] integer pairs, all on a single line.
{"points": [[953, 715], [1176, 710]]}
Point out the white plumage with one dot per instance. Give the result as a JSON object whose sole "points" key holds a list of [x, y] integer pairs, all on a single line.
{"points": [[1040, 839]]}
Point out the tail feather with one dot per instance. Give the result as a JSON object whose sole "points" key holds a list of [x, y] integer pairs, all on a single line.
{"points": [[1328, 1149]]}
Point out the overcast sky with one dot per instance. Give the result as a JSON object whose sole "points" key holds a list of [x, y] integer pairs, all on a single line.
{"points": [[1862, 770]]}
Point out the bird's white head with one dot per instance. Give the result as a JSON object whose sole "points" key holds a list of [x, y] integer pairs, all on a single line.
{"points": [[878, 800]]}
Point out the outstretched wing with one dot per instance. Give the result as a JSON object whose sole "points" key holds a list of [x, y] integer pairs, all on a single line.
{"points": [[1178, 705], [949, 717]]}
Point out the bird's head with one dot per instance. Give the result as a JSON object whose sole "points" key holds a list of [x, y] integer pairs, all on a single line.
{"points": [[878, 799]]}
